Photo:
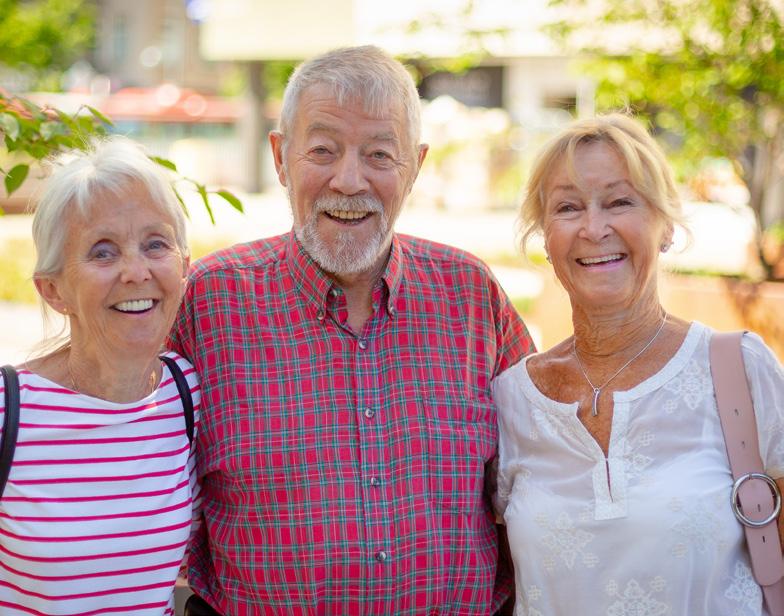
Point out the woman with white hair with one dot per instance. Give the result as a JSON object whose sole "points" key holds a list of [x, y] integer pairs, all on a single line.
{"points": [[101, 496]]}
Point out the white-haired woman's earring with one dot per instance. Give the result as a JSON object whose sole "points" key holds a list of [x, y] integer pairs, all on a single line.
{"points": [[547, 257]]}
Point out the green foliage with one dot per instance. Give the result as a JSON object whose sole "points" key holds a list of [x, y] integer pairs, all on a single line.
{"points": [[32, 133], [473, 40], [706, 73], [44, 36]]}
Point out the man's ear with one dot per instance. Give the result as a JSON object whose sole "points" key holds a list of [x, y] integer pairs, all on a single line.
{"points": [[276, 143], [423, 149], [47, 288], [422, 152]]}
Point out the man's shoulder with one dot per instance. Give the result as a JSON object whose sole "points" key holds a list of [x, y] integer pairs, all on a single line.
{"points": [[421, 250], [257, 254]]}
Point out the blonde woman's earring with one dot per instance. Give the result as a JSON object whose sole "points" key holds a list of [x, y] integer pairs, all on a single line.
{"points": [[665, 247]]}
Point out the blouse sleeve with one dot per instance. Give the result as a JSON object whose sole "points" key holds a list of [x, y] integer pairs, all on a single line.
{"points": [[502, 397], [766, 379]]}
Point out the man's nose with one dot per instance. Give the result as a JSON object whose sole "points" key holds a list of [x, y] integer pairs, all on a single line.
{"points": [[349, 177]]}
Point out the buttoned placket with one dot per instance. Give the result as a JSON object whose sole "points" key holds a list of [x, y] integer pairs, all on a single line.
{"points": [[371, 423]]}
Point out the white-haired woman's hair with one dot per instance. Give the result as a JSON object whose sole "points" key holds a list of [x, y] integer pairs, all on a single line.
{"points": [[366, 75], [109, 164]]}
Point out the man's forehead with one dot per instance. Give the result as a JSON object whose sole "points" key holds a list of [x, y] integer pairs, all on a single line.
{"points": [[321, 98]]}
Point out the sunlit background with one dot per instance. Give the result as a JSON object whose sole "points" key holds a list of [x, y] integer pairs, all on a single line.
{"points": [[199, 82]]}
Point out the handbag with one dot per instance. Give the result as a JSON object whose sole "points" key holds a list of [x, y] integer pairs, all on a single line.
{"points": [[756, 499]]}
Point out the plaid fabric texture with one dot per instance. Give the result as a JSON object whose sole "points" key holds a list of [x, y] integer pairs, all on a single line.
{"points": [[344, 473]]}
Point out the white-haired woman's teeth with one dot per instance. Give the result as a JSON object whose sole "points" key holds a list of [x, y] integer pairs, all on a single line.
{"points": [[604, 259], [134, 305], [346, 215]]}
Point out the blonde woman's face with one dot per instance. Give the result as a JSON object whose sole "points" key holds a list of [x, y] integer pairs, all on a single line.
{"points": [[603, 237]]}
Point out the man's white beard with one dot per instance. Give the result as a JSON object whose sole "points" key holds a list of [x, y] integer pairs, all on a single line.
{"points": [[345, 255]]}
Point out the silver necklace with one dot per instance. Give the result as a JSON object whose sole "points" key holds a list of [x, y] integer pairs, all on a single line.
{"points": [[598, 390]]}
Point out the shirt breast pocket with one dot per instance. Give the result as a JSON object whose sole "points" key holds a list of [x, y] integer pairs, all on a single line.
{"points": [[460, 441]]}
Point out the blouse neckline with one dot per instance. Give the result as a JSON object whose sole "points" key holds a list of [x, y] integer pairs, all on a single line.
{"points": [[667, 372]]}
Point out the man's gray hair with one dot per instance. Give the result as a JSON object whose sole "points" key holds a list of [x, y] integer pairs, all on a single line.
{"points": [[363, 74], [108, 165]]}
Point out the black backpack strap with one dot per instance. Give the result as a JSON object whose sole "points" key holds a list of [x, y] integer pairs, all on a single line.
{"points": [[185, 394], [10, 423]]}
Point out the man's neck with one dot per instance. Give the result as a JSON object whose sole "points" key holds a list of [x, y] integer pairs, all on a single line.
{"points": [[358, 289]]}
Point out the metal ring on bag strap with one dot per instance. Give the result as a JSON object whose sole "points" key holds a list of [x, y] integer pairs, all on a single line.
{"points": [[736, 505]]}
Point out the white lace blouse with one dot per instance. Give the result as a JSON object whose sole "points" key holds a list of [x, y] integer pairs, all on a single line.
{"points": [[659, 537]]}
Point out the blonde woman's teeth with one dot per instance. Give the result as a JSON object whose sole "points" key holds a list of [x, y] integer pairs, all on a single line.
{"points": [[604, 259]]}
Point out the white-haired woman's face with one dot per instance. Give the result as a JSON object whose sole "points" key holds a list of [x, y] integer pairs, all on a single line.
{"points": [[602, 236], [123, 276]]}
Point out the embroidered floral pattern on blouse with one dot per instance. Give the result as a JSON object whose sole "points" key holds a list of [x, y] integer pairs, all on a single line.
{"points": [[636, 461], [700, 527], [565, 541], [636, 601], [691, 385], [745, 590]]}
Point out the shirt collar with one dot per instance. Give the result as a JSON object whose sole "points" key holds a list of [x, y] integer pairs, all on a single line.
{"points": [[315, 284]]}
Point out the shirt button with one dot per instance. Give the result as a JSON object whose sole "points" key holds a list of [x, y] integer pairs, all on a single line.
{"points": [[370, 413], [363, 344], [333, 292], [381, 556], [320, 315], [375, 482], [392, 311]]}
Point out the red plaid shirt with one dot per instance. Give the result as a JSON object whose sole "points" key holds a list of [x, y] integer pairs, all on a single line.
{"points": [[343, 473]]}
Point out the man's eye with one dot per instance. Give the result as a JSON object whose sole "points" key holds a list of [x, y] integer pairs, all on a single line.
{"points": [[319, 150], [381, 155]]}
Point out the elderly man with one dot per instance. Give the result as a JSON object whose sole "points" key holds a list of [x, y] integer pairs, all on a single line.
{"points": [[347, 417]]}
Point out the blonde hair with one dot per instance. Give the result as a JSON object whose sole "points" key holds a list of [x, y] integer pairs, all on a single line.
{"points": [[649, 171]]}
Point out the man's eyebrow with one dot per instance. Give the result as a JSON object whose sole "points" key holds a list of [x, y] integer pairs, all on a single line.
{"points": [[321, 127], [385, 136]]}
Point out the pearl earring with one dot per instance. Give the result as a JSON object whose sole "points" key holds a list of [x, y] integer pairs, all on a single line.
{"points": [[665, 247], [547, 257]]}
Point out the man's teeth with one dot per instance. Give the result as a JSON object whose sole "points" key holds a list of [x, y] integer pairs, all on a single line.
{"points": [[134, 305], [604, 259], [346, 215]]}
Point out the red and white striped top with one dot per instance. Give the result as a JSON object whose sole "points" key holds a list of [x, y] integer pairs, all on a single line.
{"points": [[97, 511]]}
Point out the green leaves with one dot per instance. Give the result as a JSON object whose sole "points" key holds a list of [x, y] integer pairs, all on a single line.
{"points": [[164, 162], [15, 177], [32, 133], [9, 125], [233, 201]]}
